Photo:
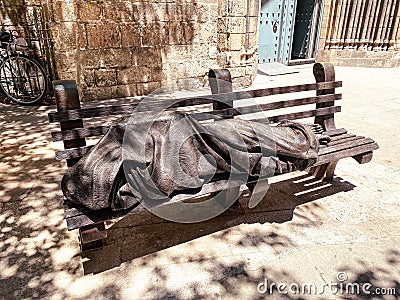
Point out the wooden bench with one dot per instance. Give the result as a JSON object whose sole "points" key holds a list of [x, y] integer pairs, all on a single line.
{"points": [[74, 132]]}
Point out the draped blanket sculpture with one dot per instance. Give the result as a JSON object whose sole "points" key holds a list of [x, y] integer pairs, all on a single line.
{"points": [[176, 154]]}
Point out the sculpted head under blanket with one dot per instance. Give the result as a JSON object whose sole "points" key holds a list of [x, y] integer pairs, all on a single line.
{"points": [[164, 160]]}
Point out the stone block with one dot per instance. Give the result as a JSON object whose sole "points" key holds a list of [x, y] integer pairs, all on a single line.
{"points": [[206, 33], [344, 54], [236, 57], [154, 34], [81, 36], [200, 51], [223, 8], [177, 53], [236, 41], [241, 82], [238, 72], [195, 69], [188, 32], [213, 51], [65, 36], [254, 8], [323, 56], [87, 78], [90, 12], [65, 12], [357, 54], [66, 61], [111, 58], [237, 8], [147, 88], [118, 11], [393, 63], [146, 56], [130, 35], [204, 13], [173, 71], [103, 35], [253, 24], [175, 33], [144, 12], [252, 39], [133, 75], [105, 77], [126, 90], [223, 59], [222, 25], [89, 59], [222, 39]]}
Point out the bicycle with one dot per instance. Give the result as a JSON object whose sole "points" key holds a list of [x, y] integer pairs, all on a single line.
{"points": [[22, 78]]}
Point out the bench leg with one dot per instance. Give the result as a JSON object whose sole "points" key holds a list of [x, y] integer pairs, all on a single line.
{"points": [[325, 171], [363, 158], [226, 196], [91, 236], [330, 170], [318, 171], [258, 190]]}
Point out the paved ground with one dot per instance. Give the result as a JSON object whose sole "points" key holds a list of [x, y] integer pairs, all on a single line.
{"points": [[304, 232]]}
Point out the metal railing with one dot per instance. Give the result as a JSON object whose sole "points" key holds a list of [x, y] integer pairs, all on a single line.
{"points": [[363, 24]]}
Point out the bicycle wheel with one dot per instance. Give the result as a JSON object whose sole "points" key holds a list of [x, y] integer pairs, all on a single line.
{"points": [[22, 79]]}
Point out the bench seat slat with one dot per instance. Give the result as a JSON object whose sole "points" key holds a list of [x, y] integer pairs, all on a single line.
{"points": [[345, 145], [190, 101], [336, 132], [349, 152], [344, 140], [341, 136]]}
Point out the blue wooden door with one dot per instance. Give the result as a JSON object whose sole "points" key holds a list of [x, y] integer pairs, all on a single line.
{"points": [[275, 30]]}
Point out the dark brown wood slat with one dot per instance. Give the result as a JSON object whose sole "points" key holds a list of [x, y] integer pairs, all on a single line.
{"points": [[345, 140], [346, 145], [342, 136], [79, 133], [227, 113], [350, 152], [336, 132], [84, 113], [302, 115], [189, 101], [72, 153]]}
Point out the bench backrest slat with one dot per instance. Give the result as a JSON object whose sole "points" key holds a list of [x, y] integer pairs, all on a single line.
{"points": [[94, 112]]}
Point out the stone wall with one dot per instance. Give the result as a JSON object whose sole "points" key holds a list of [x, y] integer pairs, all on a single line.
{"points": [[362, 33], [127, 48]]}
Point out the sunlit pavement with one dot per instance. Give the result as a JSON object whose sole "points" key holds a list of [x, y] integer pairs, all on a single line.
{"points": [[305, 233]]}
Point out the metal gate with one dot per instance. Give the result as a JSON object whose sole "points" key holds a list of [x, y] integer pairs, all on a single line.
{"points": [[30, 21], [306, 30], [275, 30]]}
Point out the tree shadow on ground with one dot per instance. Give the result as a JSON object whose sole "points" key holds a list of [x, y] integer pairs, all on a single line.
{"points": [[142, 234], [35, 248], [368, 281]]}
